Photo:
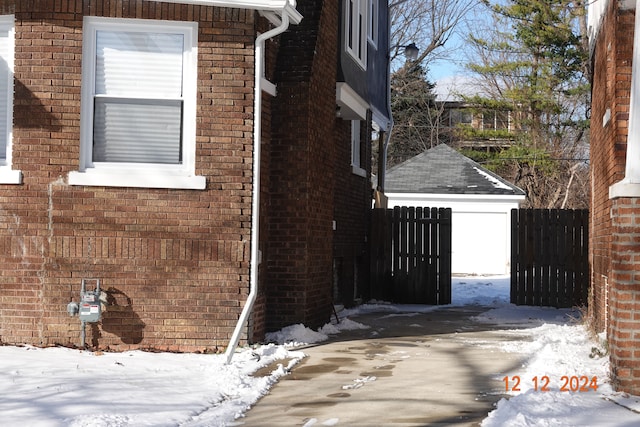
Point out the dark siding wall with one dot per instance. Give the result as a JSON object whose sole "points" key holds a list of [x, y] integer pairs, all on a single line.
{"points": [[377, 69], [349, 70]]}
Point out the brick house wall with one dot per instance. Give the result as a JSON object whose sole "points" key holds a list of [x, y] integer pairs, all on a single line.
{"points": [[624, 296], [300, 250], [351, 249], [615, 222], [174, 263], [312, 185], [610, 88]]}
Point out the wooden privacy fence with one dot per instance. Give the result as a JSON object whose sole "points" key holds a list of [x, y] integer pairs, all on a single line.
{"points": [[549, 257], [411, 255]]}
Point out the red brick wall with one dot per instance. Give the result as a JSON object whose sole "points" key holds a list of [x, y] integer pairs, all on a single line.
{"points": [[352, 214], [299, 254], [612, 76], [624, 296], [258, 321], [615, 223], [174, 263], [321, 165], [311, 184]]}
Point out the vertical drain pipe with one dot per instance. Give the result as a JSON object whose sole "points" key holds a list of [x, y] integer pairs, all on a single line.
{"points": [[255, 200]]}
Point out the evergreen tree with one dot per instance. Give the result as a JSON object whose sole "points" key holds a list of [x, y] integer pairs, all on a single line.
{"points": [[534, 63], [415, 114]]}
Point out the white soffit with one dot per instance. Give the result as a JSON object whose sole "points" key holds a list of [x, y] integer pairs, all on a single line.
{"points": [[351, 105], [278, 6]]}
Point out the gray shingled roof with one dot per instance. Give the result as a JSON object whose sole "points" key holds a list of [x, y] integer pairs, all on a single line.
{"points": [[442, 170]]}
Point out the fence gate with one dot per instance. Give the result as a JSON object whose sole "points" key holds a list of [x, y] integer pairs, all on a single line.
{"points": [[549, 257], [411, 255]]}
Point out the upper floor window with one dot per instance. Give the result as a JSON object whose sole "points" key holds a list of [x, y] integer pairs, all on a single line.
{"points": [[460, 117], [138, 104], [495, 120], [357, 26], [7, 42], [372, 33]]}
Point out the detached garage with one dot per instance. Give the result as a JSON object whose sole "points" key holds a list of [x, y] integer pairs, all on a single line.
{"points": [[480, 201]]}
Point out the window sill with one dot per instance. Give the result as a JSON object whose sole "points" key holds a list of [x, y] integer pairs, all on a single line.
{"points": [[357, 170], [9, 176], [136, 179]]}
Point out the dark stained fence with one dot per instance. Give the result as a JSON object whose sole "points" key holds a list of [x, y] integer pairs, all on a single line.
{"points": [[549, 257], [411, 255]]}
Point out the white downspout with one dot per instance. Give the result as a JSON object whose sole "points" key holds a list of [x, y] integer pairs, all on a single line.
{"points": [[255, 200]]}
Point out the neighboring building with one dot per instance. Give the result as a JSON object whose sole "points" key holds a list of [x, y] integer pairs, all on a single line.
{"points": [[467, 126], [481, 204], [614, 33], [133, 143]]}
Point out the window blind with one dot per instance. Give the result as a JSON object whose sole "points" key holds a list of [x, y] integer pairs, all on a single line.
{"points": [[138, 97]]}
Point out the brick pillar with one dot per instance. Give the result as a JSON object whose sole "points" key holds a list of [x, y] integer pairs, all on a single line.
{"points": [[624, 296]]}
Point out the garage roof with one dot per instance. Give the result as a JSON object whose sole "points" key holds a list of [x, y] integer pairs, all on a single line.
{"points": [[442, 170]]}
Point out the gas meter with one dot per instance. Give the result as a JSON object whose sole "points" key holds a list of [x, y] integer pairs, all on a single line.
{"points": [[90, 309]]}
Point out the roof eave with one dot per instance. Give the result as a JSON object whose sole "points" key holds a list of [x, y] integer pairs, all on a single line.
{"points": [[457, 196], [278, 6]]}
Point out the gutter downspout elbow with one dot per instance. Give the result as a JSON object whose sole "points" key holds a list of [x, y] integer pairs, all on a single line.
{"points": [[255, 199]]}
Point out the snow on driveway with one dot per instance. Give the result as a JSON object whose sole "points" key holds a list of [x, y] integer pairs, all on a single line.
{"points": [[62, 387]]}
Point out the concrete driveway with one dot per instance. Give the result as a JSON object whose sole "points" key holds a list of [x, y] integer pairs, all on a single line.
{"points": [[429, 369]]}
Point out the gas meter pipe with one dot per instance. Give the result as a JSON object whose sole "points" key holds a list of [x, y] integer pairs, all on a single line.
{"points": [[83, 333]]}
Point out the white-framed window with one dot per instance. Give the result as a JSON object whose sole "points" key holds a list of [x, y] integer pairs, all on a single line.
{"points": [[138, 117], [357, 24], [372, 31], [356, 149], [7, 52]]}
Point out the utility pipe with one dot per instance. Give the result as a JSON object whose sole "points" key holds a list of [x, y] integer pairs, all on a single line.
{"points": [[255, 201]]}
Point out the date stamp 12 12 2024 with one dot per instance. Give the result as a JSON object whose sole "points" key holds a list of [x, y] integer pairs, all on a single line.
{"points": [[571, 383]]}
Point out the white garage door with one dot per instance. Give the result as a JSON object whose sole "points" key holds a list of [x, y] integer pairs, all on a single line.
{"points": [[480, 243]]}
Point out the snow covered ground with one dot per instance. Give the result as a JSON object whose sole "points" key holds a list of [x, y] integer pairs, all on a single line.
{"points": [[63, 387]]}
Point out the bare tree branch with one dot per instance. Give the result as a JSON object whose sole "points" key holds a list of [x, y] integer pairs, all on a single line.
{"points": [[429, 24]]}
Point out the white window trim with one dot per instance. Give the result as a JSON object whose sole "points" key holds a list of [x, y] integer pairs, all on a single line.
{"points": [[361, 11], [137, 174], [7, 174], [373, 20], [356, 160]]}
